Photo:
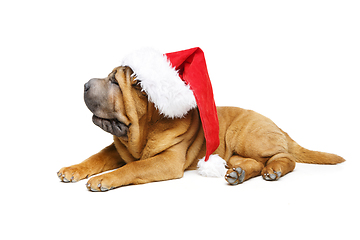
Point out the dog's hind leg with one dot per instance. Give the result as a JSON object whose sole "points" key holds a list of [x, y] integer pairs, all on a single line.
{"points": [[242, 169], [277, 166]]}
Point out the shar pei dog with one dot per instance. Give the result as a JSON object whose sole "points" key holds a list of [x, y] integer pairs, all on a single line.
{"points": [[149, 147]]}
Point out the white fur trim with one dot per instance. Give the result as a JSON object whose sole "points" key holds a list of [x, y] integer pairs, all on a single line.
{"points": [[161, 82], [214, 167]]}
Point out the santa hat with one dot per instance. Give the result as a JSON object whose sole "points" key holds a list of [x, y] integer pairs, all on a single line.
{"points": [[177, 82]]}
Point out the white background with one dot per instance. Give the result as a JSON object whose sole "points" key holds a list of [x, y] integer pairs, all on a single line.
{"points": [[296, 62]]}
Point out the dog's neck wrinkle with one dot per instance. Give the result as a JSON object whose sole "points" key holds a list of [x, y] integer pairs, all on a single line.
{"points": [[137, 139]]}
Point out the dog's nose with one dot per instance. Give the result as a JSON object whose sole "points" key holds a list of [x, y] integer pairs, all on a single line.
{"points": [[86, 86]]}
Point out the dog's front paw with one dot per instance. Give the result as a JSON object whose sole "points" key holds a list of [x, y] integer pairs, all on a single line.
{"points": [[99, 184], [235, 176], [72, 174]]}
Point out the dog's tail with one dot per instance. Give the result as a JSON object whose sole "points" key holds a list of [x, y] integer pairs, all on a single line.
{"points": [[303, 155]]}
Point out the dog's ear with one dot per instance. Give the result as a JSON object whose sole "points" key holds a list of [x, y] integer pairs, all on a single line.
{"points": [[137, 85], [129, 75], [135, 82]]}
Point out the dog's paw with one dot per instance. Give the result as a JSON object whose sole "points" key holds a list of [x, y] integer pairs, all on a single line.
{"points": [[235, 176], [270, 174], [71, 174], [99, 184]]}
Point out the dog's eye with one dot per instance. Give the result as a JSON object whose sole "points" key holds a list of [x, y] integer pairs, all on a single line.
{"points": [[136, 85], [113, 81]]}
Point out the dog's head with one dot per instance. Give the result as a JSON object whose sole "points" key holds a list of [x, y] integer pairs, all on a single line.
{"points": [[115, 101]]}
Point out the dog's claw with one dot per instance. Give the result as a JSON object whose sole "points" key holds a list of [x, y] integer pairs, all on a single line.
{"points": [[64, 179], [103, 189]]}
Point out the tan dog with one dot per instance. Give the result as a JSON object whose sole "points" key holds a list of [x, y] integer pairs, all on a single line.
{"points": [[149, 147]]}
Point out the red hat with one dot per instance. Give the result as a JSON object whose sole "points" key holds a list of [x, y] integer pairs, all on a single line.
{"points": [[176, 83]]}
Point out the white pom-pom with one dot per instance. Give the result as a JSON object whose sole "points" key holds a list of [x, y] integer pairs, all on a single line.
{"points": [[214, 167]]}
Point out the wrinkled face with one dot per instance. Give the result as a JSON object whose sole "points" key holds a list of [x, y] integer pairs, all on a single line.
{"points": [[104, 98]]}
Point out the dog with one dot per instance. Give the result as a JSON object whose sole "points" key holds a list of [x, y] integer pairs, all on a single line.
{"points": [[149, 147]]}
